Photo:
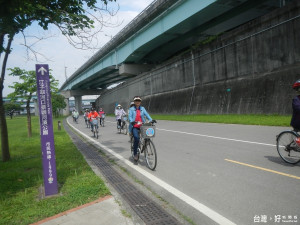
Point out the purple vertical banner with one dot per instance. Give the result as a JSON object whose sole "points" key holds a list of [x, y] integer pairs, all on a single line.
{"points": [[46, 127]]}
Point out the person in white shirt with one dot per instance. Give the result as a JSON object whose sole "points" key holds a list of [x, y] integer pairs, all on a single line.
{"points": [[119, 112]]}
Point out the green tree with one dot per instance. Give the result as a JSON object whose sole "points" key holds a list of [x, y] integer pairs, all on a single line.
{"points": [[12, 106], [58, 103], [26, 88], [72, 17]]}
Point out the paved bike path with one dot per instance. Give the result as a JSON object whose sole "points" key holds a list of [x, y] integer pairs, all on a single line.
{"points": [[201, 162]]}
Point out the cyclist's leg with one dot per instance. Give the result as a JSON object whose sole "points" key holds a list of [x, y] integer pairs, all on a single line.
{"points": [[92, 126], [119, 122], [136, 136]]}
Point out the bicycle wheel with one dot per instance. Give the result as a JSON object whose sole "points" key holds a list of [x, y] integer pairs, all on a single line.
{"points": [[102, 122], [125, 129], [150, 154], [287, 147], [131, 148], [97, 133], [119, 128]]}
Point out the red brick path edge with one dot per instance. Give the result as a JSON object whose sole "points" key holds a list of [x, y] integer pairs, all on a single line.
{"points": [[72, 210]]}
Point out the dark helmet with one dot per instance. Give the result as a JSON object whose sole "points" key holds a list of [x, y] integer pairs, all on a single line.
{"points": [[296, 85]]}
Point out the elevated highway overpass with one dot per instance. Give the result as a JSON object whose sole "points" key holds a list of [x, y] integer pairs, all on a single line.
{"points": [[163, 29]]}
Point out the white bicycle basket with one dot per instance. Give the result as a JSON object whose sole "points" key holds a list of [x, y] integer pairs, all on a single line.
{"points": [[148, 131]]}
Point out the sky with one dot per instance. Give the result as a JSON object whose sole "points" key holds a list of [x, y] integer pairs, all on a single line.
{"points": [[55, 50]]}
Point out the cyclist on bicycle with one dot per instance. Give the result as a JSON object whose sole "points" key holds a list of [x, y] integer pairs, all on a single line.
{"points": [[295, 121], [129, 130], [101, 112], [93, 115], [75, 115], [137, 114], [119, 112], [86, 115]]}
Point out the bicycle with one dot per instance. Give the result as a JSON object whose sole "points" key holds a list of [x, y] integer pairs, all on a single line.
{"points": [[94, 124], [102, 120], [87, 122], [288, 146], [146, 145], [123, 128]]}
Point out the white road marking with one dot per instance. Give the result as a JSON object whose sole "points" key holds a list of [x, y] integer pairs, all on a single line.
{"points": [[209, 136], [192, 202], [221, 138]]}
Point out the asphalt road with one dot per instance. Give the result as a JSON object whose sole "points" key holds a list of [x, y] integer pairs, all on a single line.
{"points": [[215, 173]]}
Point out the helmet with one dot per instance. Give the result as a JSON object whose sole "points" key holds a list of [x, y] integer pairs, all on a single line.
{"points": [[296, 85], [137, 98]]}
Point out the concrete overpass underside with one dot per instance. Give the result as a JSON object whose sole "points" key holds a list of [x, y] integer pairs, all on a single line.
{"points": [[161, 31]]}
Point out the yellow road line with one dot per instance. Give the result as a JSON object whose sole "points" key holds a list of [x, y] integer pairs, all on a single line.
{"points": [[261, 168]]}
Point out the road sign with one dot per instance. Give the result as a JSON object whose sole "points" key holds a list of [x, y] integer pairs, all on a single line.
{"points": [[46, 129]]}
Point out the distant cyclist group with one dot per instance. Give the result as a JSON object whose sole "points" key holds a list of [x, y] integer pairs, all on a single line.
{"points": [[141, 128]]}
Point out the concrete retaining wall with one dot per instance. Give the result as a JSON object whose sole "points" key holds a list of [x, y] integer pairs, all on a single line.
{"points": [[247, 70]]}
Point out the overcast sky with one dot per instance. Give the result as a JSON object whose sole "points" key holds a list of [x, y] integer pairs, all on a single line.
{"points": [[59, 52]]}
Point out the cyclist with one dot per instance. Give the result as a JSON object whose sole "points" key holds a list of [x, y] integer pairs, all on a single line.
{"points": [[129, 130], [86, 115], [137, 114], [75, 115], [93, 115], [131, 104], [119, 112], [295, 121], [101, 112]]}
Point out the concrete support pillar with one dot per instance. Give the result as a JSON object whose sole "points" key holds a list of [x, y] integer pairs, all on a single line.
{"points": [[66, 111], [78, 103]]}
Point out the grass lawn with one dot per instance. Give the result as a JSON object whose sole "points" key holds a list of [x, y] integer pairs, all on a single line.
{"points": [[246, 119], [263, 120], [22, 176]]}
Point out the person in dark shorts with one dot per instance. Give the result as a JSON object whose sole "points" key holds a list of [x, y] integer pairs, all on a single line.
{"points": [[295, 121]]}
